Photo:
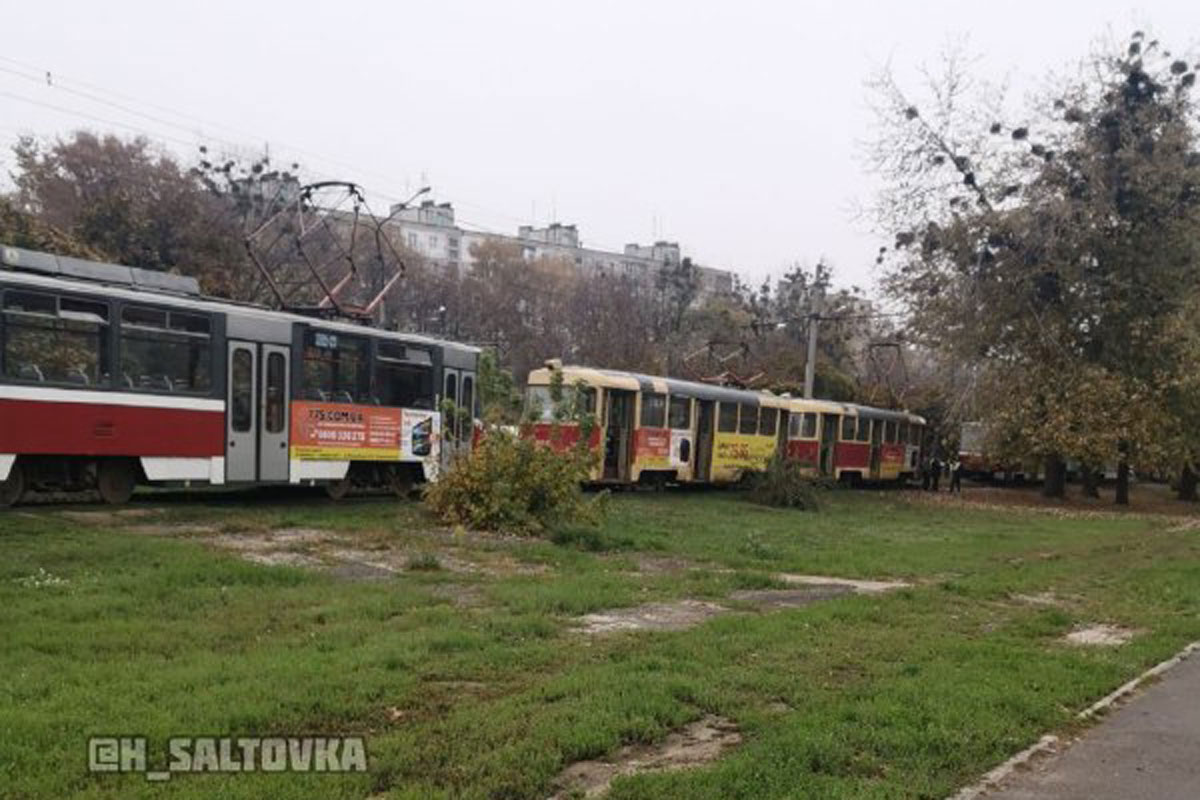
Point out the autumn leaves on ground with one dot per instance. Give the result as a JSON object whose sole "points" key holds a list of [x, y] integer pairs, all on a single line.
{"points": [[695, 645]]}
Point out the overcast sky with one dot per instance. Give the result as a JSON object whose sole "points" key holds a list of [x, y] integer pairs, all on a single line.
{"points": [[732, 127]]}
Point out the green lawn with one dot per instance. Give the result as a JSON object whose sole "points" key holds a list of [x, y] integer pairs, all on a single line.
{"points": [[475, 684]]}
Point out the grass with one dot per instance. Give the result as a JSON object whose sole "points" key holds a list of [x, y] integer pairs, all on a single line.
{"points": [[474, 684]]}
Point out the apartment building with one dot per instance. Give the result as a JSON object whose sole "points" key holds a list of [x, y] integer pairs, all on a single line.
{"points": [[430, 230]]}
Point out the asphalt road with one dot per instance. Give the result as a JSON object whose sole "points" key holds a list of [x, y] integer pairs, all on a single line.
{"points": [[1149, 749]]}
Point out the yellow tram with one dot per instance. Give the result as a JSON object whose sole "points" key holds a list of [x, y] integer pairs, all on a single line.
{"points": [[649, 429]]}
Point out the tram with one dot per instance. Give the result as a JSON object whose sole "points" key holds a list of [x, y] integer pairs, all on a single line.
{"points": [[113, 377], [654, 430]]}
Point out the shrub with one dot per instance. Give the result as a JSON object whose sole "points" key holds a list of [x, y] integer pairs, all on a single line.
{"points": [[425, 562], [512, 484], [784, 485]]}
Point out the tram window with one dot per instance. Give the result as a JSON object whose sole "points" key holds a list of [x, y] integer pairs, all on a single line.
{"points": [[450, 429], [468, 395], [149, 317], [680, 417], [31, 303], [902, 434], [889, 431], [809, 431], [165, 351], [335, 368], [767, 421], [748, 423], [51, 339], [864, 430], [403, 385], [794, 425], [654, 410], [727, 418], [585, 399], [276, 391], [190, 323], [848, 428], [241, 395], [538, 407]]}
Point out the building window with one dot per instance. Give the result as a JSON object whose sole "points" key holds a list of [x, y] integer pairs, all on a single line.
{"points": [[414, 241], [165, 351], [50, 339]]}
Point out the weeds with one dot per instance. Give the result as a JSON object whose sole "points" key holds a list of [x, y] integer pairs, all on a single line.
{"points": [[784, 485]]}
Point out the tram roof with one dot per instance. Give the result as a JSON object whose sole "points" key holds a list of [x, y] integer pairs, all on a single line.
{"points": [[886, 413], [635, 381], [46, 271]]}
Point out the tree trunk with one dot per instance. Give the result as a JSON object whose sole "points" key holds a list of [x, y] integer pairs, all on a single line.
{"points": [[1123, 483], [1187, 483], [1056, 478], [1091, 481]]}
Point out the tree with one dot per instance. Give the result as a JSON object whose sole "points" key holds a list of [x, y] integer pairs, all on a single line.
{"points": [[127, 201], [20, 229], [122, 197], [1053, 256]]}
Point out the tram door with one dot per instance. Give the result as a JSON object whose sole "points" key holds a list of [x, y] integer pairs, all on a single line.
{"points": [[241, 451], [256, 417], [876, 447], [829, 432], [704, 439], [458, 429], [618, 434], [450, 422], [273, 460]]}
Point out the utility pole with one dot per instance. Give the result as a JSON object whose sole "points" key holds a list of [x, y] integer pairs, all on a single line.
{"points": [[814, 316]]}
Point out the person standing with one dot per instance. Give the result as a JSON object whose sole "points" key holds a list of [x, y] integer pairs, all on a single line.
{"points": [[935, 473], [956, 476], [925, 470]]}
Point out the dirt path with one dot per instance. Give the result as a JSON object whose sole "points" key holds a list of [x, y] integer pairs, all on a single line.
{"points": [[693, 745], [688, 613]]}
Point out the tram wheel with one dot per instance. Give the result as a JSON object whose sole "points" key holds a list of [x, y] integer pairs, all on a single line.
{"points": [[337, 490], [400, 482], [12, 488], [115, 481]]}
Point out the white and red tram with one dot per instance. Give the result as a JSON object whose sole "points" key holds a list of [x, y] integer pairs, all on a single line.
{"points": [[111, 376]]}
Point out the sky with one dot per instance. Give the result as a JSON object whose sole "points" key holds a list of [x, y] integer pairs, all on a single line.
{"points": [[734, 128]]}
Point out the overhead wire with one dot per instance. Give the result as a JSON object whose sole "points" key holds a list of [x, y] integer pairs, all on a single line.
{"points": [[125, 104]]}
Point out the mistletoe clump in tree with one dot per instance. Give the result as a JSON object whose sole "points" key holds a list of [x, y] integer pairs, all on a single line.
{"points": [[1060, 256]]}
